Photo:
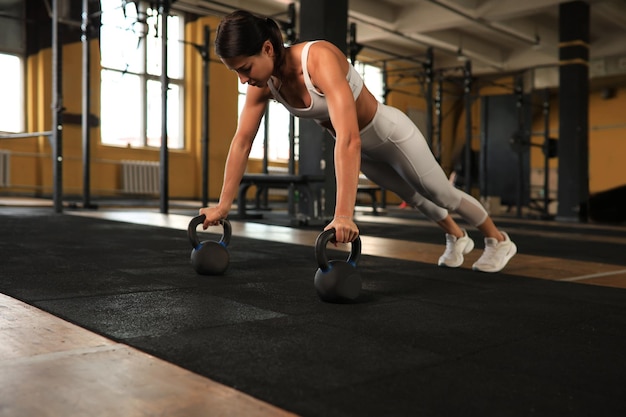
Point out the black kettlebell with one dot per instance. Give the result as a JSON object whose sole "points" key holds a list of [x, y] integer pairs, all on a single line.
{"points": [[209, 257], [337, 281]]}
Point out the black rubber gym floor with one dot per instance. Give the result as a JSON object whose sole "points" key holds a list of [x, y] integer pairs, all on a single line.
{"points": [[420, 341]]}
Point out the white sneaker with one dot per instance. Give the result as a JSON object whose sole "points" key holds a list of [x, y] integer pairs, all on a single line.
{"points": [[455, 249], [496, 254]]}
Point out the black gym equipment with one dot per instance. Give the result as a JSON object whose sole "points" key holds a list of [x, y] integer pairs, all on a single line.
{"points": [[521, 142], [209, 257], [337, 281]]}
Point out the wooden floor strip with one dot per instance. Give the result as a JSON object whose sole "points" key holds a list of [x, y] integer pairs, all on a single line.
{"points": [[51, 368], [590, 276]]}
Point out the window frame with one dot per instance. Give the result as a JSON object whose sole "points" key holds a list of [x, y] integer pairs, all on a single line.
{"points": [[20, 53], [20, 126], [145, 78]]}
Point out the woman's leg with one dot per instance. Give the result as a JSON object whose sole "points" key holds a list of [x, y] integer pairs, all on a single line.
{"points": [[458, 243], [404, 150], [386, 177]]}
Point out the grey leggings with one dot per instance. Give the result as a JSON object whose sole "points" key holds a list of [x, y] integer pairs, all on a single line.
{"points": [[395, 156]]}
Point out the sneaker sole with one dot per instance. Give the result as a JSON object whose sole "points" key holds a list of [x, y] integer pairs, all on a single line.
{"points": [[507, 258], [467, 249]]}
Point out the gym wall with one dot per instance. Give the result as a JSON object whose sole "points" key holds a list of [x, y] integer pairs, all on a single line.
{"points": [[31, 167]]}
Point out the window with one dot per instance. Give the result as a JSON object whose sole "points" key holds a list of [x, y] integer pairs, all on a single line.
{"points": [[278, 118], [277, 122], [12, 87], [130, 45], [12, 50], [373, 77]]}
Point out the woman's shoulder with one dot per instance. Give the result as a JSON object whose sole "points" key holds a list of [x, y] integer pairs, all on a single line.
{"points": [[315, 44], [325, 58], [324, 50], [320, 51], [323, 44]]}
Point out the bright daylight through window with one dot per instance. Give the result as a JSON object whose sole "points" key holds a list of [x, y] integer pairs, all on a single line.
{"points": [[130, 79], [12, 87], [12, 52]]}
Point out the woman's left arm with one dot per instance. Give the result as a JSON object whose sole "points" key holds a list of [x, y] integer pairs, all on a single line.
{"points": [[328, 69]]}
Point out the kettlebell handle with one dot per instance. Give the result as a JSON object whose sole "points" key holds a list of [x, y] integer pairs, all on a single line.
{"points": [[320, 249], [198, 220]]}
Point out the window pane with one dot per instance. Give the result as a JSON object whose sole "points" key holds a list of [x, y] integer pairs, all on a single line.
{"points": [[174, 46], [257, 146], [175, 49], [278, 148], [373, 77], [174, 128], [119, 44], [12, 88], [129, 46], [121, 113], [278, 142]]}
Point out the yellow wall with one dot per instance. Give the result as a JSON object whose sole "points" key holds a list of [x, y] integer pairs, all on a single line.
{"points": [[607, 133], [607, 140], [32, 168]]}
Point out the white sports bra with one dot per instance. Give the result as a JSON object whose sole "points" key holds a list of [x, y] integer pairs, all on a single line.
{"points": [[318, 110]]}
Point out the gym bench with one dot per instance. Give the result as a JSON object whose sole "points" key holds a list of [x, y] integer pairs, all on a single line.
{"points": [[263, 182], [302, 183], [371, 190]]}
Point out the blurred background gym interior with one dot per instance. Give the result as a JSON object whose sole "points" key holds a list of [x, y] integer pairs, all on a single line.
{"points": [[101, 313]]}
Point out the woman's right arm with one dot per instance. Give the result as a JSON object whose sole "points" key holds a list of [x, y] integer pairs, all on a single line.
{"points": [[240, 146]]}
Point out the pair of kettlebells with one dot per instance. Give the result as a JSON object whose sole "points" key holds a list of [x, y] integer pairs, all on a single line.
{"points": [[337, 281], [209, 257]]}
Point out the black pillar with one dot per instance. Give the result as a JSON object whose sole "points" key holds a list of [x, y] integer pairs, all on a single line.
{"points": [[164, 10], [467, 94], [206, 58], [327, 20], [428, 70], [56, 137], [573, 193]]}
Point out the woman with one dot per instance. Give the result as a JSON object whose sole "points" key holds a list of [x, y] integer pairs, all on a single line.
{"points": [[314, 80]]}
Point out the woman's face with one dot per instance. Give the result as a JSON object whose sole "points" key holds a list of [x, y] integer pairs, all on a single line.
{"points": [[254, 70]]}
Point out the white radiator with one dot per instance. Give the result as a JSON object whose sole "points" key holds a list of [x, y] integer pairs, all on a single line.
{"points": [[140, 177], [5, 168]]}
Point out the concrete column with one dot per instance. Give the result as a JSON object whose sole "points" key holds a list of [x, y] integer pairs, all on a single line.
{"points": [[325, 20], [573, 193]]}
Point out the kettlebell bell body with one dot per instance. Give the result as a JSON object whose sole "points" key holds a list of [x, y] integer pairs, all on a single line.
{"points": [[209, 257], [337, 281]]}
